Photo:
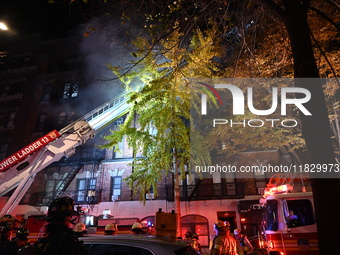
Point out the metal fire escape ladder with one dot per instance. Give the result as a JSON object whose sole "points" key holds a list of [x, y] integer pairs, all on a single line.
{"points": [[65, 182], [193, 192]]}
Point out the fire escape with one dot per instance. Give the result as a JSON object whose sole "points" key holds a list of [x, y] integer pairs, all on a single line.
{"points": [[205, 189]]}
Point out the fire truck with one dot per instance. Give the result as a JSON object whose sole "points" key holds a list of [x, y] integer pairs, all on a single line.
{"points": [[18, 170], [288, 225]]}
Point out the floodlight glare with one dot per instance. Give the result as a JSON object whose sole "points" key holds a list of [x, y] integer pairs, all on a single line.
{"points": [[3, 26]]}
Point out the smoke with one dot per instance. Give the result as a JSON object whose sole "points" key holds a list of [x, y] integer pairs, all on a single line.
{"points": [[105, 41]]}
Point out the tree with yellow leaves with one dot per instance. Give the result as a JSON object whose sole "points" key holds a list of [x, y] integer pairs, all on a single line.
{"points": [[162, 104]]}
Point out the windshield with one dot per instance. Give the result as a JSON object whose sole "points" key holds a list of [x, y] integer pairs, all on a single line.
{"points": [[270, 215]]}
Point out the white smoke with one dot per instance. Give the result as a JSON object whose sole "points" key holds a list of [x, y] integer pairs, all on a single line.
{"points": [[105, 42]]}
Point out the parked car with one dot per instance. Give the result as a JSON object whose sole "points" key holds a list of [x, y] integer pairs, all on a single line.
{"points": [[135, 245]]}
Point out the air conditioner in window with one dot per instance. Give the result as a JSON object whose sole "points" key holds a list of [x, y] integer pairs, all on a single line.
{"points": [[150, 196], [46, 200]]}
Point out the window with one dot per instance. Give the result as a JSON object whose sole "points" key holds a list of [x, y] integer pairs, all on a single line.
{"points": [[62, 116], [270, 214], [119, 152], [150, 194], [50, 190], [116, 186], [298, 213], [230, 184], [86, 189], [47, 93], [231, 189], [3, 150], [65, 118], [42, 122], [71, 90], [92, 183], [81, 190], [11, 119], [49, 185]]}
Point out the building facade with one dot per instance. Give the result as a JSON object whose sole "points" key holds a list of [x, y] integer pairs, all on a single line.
{"points": [[44, 86]]}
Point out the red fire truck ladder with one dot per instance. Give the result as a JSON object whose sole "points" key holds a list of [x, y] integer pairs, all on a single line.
{"points": [[18, 170]]}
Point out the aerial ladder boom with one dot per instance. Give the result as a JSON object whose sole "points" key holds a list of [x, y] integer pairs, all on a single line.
{"points": [[18, 170]]}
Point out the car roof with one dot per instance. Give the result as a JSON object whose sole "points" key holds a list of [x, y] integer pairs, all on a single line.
{"points": [[143, 241]]}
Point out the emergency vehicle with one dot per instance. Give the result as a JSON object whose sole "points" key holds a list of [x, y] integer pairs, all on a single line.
{"points": [[289, 225]]}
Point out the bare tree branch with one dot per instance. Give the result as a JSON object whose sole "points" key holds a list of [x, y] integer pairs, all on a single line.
{"points": [[333, 3], [273, 7], [322, 14], [323, 54]]}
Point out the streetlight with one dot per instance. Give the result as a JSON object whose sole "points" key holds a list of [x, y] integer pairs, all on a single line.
{"points": [[3, 26]]}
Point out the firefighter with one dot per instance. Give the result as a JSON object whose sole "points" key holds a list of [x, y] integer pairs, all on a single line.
{"points": [[224, 243], [110, 229], [188, 236], [59, 237], [80, 229], [243, 240], [5, 235], [20, 240], [195, 244]]}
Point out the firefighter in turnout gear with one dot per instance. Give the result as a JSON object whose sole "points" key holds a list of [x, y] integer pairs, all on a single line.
{"points": [[224, 243], [195, 243], [5, 235], [59, 238], [243, 240], [20, 240]]}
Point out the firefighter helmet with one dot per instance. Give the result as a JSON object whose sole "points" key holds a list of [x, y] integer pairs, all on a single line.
{"points": [[222, 224], [22, 234], [237, 231], [5, 233], [195, 236], [80, 227], [188, 235], [110, 228], [60, 208], [4, 229], [137, 228], [137, 225]]}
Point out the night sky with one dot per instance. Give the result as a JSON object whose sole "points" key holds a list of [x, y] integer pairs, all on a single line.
{"points": [[26, 17]]}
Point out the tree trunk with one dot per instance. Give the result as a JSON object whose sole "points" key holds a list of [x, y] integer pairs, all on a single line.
{"points": [[178, 203], [177, 194], [316, 129]]}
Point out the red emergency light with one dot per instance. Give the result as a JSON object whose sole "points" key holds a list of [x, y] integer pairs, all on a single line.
{"points": [[282, 189]]}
